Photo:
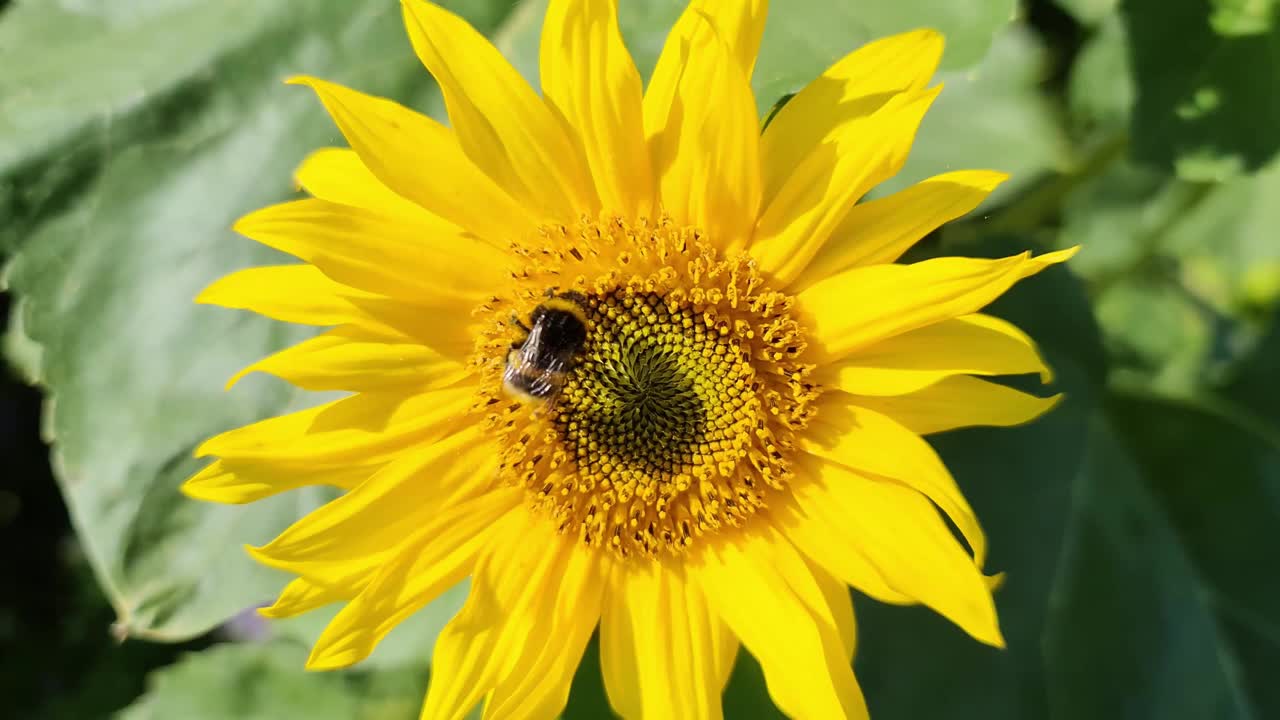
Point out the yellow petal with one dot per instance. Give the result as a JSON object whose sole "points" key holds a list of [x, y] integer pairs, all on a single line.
{"points": [[959, 402], [421, 160], [662, 651], [382, 512], [898, 530], [360, 428], [236, 483], [427, 263], [589, 77], [762, 589], [355, 359], [970, 344], [340, 176], [813, 529], [871, 443], [705, 148], [438, 556], [836, 593], [292, 293], [513, 593], [862, 306], [501, 123], [881, 230], [740, 24], [820, 191], [856, 86], [302, 596], [538, 684], [619, 662]]}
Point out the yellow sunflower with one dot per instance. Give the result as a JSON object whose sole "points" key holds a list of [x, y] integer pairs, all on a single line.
{"points": [[627, 362]]}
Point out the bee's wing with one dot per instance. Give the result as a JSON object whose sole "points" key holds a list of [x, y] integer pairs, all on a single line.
{"points": [[550, 377]]}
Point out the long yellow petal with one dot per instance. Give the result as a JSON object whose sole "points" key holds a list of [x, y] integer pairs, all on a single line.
{"points": [[859, 307], [813, 528], [589, 77], [302, 596], [881, 230], [662, 651], [538, 684], [856, 86], [420, 159], [740, 24], [836, 593], [958, 402], [355, 359], [619, 660], [291, 293], [868, 442], [360, 428], [440, 554], [501, 123], [513, 591], [239, 482], [705, 150], [431, 264], [382, 512], [340, 176], [900, 532], [970, 344], [820, 191], [762, 589]]}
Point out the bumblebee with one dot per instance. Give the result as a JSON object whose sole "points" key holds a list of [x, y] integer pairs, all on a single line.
{"points": [[538, 366]]}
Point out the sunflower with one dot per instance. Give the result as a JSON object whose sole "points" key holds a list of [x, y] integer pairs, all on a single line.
{"points": [[626, 362]]}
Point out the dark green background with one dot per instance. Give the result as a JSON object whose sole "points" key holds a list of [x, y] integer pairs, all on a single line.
{"points": [[1137, 522]]}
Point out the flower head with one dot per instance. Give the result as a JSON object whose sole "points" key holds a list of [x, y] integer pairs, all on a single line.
{"points": [[625, 361]]}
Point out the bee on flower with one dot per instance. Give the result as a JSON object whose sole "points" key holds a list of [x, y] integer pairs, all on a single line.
{"points": [[628, 363]]}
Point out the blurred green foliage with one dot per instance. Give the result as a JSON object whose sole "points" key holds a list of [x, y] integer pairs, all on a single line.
{"points": [[1136, 523]]}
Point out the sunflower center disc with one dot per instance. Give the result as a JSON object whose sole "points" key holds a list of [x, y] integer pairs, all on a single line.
{"points": [[656, 395], [677, 416]]}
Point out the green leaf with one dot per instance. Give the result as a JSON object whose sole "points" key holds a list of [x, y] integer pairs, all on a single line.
{"points": [[1253, 385], [267, 682], [1101, 90], [132, 367], [1206, 102], [1243, 17], [1133, 624], [1167, 603], [1219, 483], [1088, 12], [970, 125]]}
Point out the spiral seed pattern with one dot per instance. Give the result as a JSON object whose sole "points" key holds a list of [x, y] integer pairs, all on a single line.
{"points": [[677, 418]]}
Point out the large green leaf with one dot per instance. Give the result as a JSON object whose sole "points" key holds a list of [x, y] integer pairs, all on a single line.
{"points": [[1218, 481], [267, 682], [1138, 622], [132, 367], [1207, 100]]}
